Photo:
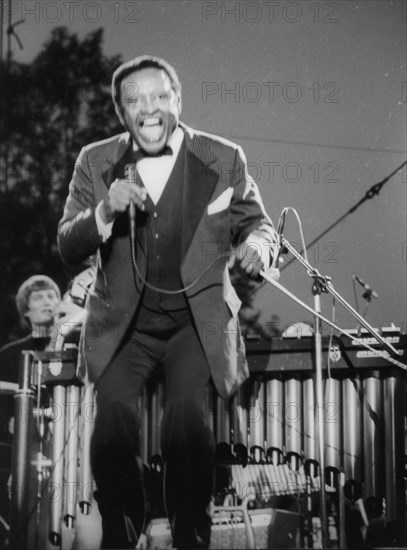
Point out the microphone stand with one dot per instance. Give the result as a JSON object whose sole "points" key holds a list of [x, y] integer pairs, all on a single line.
{"points": [[325, 281], [318, 287], [322, 283]]}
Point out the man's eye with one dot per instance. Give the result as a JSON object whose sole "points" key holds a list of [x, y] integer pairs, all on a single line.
{"points": [[132, 100]]}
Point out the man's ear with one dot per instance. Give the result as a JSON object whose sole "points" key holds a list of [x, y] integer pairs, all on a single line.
{"points": [[179, 105], [119, 113]]}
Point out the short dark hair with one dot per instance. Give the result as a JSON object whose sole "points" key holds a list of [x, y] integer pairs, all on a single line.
{"points": [[36, 282], [137, 64]]}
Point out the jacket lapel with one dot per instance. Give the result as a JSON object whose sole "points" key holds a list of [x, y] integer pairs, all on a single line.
{"points": [[199, 184], [116, 159]]}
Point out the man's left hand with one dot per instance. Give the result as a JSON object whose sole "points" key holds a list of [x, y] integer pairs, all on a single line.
{"points": [[248, 254]]}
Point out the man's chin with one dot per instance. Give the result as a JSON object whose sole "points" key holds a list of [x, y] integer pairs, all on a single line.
{"points": [[150, 146]]}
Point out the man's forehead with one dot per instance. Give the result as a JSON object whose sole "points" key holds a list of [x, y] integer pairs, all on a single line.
{"points": [[149, 76]]}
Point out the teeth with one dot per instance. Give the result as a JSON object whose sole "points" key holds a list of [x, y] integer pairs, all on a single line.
{"points": [[150, 122]]}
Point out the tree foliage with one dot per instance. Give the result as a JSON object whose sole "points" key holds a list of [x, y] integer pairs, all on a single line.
{"points": [[49, 110]]}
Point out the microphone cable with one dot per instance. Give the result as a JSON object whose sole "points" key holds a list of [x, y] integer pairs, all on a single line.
{"points": [[136, 271]]}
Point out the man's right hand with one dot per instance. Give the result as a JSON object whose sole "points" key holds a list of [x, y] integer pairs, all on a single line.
{"points": [[121, 194]]}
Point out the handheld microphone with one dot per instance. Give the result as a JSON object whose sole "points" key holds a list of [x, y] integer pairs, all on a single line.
{"points": [[279, 247], [131, 175], [281, 222], [370, 293]]}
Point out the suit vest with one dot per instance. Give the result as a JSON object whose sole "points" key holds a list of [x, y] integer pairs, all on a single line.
{"points": [[158, 230]]}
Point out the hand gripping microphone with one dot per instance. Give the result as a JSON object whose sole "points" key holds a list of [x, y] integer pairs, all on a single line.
{"points": [[131, 175], [273, 271]]}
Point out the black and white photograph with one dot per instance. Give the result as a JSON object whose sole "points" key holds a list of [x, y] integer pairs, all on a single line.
{"points": [[203, 290]]}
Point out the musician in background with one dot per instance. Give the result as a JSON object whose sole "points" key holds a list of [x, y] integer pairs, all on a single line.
{"points": [[50, 320], [41, 312], [37, 301]]}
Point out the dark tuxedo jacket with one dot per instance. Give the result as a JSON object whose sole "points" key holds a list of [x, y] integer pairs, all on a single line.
{"points": [[221, 207]]}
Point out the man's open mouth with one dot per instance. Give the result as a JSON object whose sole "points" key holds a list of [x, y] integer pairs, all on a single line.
{"points": [[151, 129]]}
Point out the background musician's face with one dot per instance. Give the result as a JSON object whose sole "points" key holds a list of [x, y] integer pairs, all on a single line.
{"points": [[42, 306], [150, 108]]}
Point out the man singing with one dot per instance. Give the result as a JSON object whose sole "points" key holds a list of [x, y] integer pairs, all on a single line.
{"points": [[162, 301]]}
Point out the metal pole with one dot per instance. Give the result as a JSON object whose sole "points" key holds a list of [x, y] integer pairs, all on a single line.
{"points": [[57, 477], [71, 458], [88, 411], [24, 410], [319, 432]]}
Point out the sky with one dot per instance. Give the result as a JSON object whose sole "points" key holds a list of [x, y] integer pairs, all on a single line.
{"points": [[314, 92]]}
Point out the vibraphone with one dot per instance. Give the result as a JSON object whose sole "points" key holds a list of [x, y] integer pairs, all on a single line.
{"points": [[265, 434], [364, 412]]}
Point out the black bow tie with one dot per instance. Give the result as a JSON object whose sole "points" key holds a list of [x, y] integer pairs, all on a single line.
{"points": [[140, 154]]}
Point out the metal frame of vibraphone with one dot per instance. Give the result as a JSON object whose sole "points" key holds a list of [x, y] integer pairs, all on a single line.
{"points": [[364, 424], [51, 472]]}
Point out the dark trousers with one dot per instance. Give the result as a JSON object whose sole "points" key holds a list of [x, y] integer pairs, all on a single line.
{"points": [[187, 444]]}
